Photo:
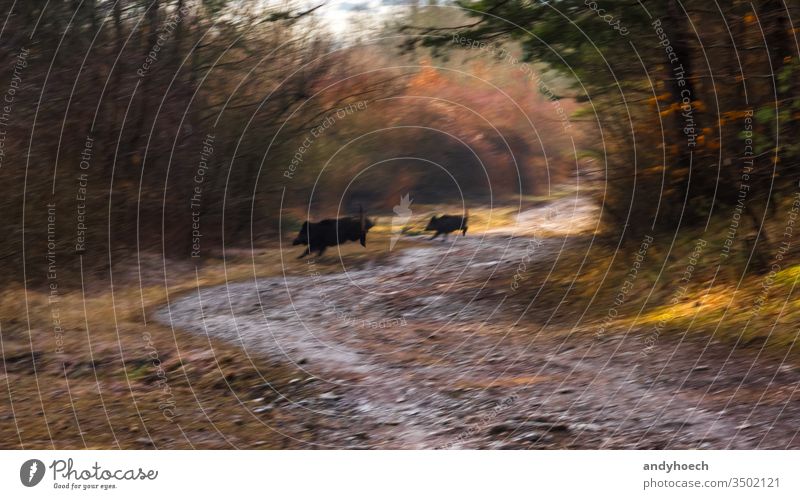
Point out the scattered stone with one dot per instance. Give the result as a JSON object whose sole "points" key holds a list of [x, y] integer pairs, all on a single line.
{"points": [[264, 408], [330, 396], [534, 437]]}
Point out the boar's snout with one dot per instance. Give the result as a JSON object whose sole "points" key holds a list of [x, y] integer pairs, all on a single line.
{"points": [[302, 236], [432, 225]]}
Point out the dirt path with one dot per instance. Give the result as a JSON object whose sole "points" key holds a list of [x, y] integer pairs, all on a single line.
{"points": [[422, 350]]}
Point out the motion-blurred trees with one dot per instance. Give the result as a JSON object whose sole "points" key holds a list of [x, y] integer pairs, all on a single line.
{"points": [[155, 125], [125, 102], [445, 134], [677, 91]]}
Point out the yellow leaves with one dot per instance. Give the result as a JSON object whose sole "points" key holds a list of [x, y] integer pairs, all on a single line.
{"points": [[788, 275]]}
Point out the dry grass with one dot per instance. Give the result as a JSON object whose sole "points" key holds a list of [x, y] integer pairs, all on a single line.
{"points": [[105, 390], [101, 387], [750, 307]]}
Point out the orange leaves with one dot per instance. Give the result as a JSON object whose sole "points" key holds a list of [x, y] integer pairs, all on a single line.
{"points": [[677, 107], [658, 98], [673, 149], [736, 115], [654, 170], [427, 77], [672, 108]]}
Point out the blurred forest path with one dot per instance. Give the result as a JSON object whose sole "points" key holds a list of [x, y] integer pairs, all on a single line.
{"points": [[431, 347]]}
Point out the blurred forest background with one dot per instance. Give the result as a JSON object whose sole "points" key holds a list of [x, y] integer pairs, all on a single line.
{"points": [[663, 121], [692, 100], [136, 133], [154, 88]]}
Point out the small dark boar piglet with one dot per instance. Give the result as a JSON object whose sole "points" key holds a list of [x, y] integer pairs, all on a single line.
{"points": [[446, 224]]}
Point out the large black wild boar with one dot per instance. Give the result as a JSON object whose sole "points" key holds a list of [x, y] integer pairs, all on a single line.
{"points": [[332, 232], [446, 224]]}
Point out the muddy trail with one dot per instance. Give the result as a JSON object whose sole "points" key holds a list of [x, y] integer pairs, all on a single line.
{"points": [[433, 347]]}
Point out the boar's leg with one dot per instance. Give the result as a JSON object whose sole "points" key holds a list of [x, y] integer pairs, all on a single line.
{"points": [[434, 236], [464, 231], [321, 251], [307, 251]]}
